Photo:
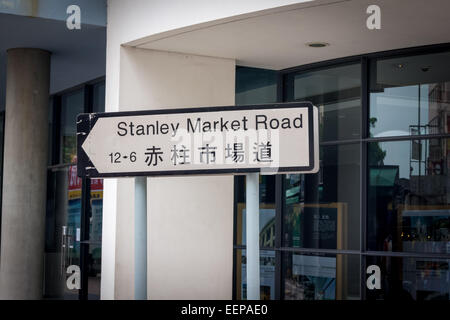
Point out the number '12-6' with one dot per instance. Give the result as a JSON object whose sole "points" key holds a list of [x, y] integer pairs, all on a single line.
{"points": [[116, 157]]}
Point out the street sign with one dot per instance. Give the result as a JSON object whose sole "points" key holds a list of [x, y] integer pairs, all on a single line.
{"points": [[275, 138]]}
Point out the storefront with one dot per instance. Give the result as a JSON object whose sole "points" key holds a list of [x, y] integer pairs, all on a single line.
{"points": [[51, 221], [377, 210], [381, 196], [73, 230], [373, 223]]}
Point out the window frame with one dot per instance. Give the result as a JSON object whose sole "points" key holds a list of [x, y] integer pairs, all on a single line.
{"points": [[282, 92], [56, 163]]}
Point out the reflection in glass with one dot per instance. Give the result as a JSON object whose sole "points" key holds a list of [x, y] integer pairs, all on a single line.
{"points": [[95, 221], [94, 271], [95, 239], [336, 92], [411, 279], [320, 277], [410, 95], [322, 210], [267, 212], [62, 244], [72, 104], [95, 227], [267, 274], [255, 86], [409, 203], [2, 139], [98, 103], [50, 132]]}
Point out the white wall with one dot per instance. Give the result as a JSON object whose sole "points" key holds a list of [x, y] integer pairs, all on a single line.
{"points": [[190, 238], [190, 219], [130, 20], [134, 19]]}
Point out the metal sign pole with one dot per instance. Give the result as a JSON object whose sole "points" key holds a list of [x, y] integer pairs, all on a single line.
{"points": [[252, 230], [116, 144], [140, 237]]}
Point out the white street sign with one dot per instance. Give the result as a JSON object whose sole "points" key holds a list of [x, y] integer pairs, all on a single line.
{"points": [[269, 139]]}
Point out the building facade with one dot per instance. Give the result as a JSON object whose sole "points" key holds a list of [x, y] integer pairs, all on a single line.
{"points": [[373, 223], [50, 219]]}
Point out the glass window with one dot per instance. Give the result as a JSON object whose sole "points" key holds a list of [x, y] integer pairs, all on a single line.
{"points": [[254, 86], [323, 210], [410, 95], [411, 279], [95, 239], [336, 92], [63, 230], [267, 274], [2, 139], [266, 212], [63, 244], [321, 277], [72, 104], [50, 132], [73, 218], [98, 104], [409, 202]]}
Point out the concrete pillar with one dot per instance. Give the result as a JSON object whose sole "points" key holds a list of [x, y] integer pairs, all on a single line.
{"points": [[24, 174]]}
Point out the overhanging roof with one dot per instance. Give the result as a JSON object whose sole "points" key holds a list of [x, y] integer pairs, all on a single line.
{"points": [[276, 38]]}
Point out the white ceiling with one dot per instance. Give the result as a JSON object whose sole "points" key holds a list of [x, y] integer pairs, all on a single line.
{"points": [[275, 39]]}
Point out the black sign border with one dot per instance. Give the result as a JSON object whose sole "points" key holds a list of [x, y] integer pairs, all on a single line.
{"points": [[87, 121]]}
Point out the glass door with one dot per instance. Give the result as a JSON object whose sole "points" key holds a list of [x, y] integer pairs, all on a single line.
{"points": [[63, 235], [94, 244], [73, 236], [74, 205]]}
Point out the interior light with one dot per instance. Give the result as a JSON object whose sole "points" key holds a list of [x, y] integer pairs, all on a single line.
{"points": [[317, 44]]}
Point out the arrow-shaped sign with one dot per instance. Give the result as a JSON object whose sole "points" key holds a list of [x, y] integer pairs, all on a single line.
{"points": [[216, 140]]}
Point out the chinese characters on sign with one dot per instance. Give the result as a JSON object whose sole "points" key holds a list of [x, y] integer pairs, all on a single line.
{"points": [[180, 155], [263, 138]]}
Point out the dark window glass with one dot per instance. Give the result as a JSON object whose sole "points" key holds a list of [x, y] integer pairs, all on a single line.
{"points": [[64, 248], [96, 201], [254, 86], [50, 131], [321, 277], [410, 279], [72, 104], [95, 221], [410, 95], [336, 92], [267, 274], [409, 203], [95, 239], [63, 223], [322, 210], [98, 103], [266, 212], [2, 139]]}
